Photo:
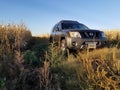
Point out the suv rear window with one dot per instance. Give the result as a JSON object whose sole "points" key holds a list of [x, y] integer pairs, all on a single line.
{"points": [[68, 25]]}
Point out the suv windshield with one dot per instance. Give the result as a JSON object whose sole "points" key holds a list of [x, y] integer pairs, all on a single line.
{"points": [[74, 26]]}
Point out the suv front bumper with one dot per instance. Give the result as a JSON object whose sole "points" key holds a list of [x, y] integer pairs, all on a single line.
{"points": [[80, 43]]}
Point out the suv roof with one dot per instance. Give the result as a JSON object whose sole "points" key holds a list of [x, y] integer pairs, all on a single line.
{"points": [[69, 21]]}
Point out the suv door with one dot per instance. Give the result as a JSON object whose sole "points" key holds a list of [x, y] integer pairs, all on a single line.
{"points": [[58, 32]]}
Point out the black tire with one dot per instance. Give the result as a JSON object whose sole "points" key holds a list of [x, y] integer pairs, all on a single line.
{"points": [[51, 40]]}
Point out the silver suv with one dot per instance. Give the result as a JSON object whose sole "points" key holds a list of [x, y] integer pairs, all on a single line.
{"points": [[75, 35]]}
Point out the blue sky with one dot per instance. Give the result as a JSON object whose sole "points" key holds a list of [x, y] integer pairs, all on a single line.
{"points": [[40, 15]]}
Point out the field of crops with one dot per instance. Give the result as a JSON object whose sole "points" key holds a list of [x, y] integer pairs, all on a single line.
{"points": [[31, 63]]}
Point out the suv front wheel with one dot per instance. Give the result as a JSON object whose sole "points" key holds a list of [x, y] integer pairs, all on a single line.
{"points": [[63, 45]]}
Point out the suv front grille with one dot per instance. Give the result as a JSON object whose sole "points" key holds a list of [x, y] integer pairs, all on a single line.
{"points": [[90, 34]]}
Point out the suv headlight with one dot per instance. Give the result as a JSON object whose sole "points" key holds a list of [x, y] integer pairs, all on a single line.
{"points": [[102, 34], [75, 34]]}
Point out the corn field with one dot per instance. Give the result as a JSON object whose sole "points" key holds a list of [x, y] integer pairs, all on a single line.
{"points": [[31, 63]]}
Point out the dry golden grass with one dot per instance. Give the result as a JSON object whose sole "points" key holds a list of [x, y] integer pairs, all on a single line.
{"points": [[43, 35], [112, 34], [95, 70]]}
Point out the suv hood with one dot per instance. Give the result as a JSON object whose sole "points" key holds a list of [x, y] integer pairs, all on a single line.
{"points": [[90, 33], [77, 30]]}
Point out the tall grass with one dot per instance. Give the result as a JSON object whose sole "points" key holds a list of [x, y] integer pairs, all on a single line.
{"points": [[45, 67], [113, 38], [98, 70], [13, 38]]}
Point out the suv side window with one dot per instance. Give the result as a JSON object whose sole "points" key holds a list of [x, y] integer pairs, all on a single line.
{"points": [[59, 26], [56, 28]]}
